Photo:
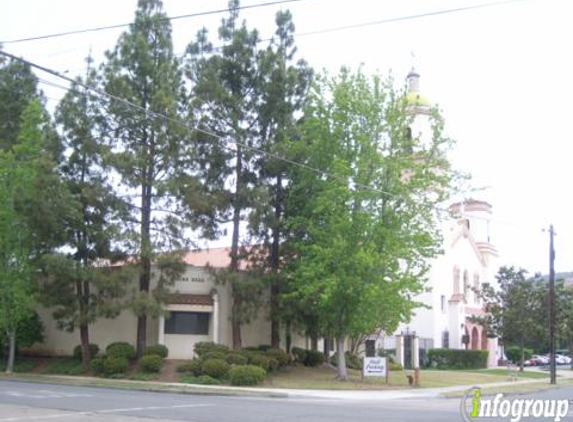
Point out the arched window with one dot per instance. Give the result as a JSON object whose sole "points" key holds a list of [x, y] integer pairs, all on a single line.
{"points": [[475, 338], [456, 280], [476, 288], [483, 339]]}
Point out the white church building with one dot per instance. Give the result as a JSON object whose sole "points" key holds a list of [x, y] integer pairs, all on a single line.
{"points": [[469, 259]]}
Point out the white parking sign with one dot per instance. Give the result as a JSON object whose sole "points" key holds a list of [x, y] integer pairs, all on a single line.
{"points": [[375, 367]]}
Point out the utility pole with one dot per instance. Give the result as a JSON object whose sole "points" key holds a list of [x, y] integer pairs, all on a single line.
{"points": [[552, 306]]}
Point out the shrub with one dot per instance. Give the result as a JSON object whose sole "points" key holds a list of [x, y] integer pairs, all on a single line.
{"points": [[313, 358], [246, 375], [115, 365], [353, 361], [457, 359], [151, 363], [395, 366], [216, 368], [260, 360], [282, 357], [215, 355], [96, 366], [235, 358], [202, 379], [94, 350], [203, 347], [120, 349], [299, 354], [514, 355], [273, 364], [158, 349], [194, 366], [264, 347]]}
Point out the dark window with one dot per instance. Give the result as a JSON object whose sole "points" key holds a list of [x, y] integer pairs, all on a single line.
{"points": [[445, 340], [187, 323]]}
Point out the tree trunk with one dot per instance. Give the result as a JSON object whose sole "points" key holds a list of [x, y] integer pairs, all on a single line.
{"points": [[521, 354], [313, 341], [235, 323], [144, 279], [326, 349], [288, 337], [85, 342], [342, 371], [11, 351], [275, 263], [234, 265]]}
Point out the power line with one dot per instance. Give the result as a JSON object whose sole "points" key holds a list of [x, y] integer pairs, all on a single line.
{"points": [[123, 25], [409, 17], [389, 20], [214, 135]]}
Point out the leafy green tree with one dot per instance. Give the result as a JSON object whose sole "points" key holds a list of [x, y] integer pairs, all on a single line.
{"points": [[18, 172], [363, 224], [226, 89], [514, 308], [28, 332], [152, 151], [75, 283]]}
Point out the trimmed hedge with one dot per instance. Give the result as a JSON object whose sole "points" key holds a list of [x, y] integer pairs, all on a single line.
{"points": [[282, 357], [203, 347], [246, 375], [194, 367], [299, 354], [216, 368], [151, 363], [260, 360], [235, 358], [94, 350], [313, 358], [158, 349], [215, 355], [115, 365], [457, 359], [352, 361], [120, 349]]}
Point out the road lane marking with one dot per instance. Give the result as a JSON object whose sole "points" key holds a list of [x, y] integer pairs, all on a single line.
{"points": [[105, 411]]}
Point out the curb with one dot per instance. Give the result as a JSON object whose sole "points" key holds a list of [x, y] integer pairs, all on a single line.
{"points": [[157, 387]]}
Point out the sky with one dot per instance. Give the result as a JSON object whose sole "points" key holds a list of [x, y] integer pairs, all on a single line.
{"points": [[500, 75]]}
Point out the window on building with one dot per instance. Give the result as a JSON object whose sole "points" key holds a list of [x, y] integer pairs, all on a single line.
{"points": [[466, 283], [445, 339], [443, 303], [476, 288], [187, 323]]}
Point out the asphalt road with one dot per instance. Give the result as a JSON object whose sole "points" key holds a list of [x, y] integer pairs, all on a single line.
{"points": [[25, 401]]}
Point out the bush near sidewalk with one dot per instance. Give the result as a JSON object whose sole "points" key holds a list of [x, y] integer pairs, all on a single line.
{"points": [[457, 359]]}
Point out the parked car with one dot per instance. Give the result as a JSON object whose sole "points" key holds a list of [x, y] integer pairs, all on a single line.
{"points": [[562, 360], [541, 360]]}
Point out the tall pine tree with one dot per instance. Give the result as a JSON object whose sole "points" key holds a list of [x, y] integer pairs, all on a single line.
{"points": [[152, 151]]}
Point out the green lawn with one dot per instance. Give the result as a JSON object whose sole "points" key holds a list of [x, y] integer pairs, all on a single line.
{"points": [[324, 378], [524, 374]]}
